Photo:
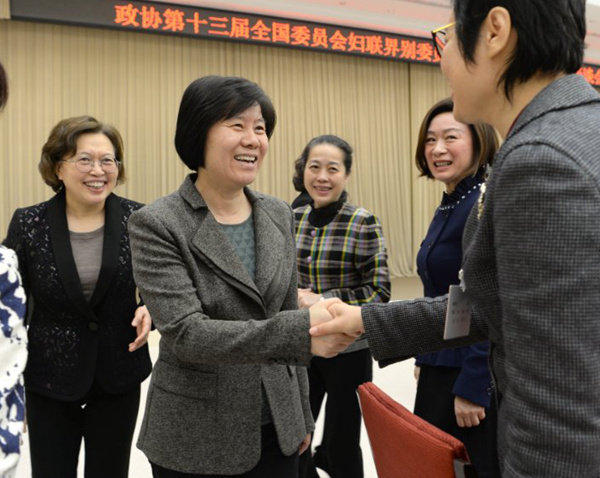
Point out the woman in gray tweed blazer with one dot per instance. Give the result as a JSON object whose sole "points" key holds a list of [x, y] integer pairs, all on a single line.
{"points": [[531, 247], [216, 264]]}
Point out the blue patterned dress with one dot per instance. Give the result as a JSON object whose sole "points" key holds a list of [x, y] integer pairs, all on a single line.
{"points": [[13, 356]]}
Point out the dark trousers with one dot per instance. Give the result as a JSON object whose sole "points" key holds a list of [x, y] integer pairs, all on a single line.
{"points": [[435, 403], [105, 422], [339, 453], [272, 464]]}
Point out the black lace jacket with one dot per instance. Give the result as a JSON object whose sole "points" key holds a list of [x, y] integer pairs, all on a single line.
{"points": [[73, 342]]}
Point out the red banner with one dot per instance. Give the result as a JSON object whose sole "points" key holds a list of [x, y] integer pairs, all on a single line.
{"points": [[267, 30], [241, 27]]}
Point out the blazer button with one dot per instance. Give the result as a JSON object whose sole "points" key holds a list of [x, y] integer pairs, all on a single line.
{"points": [[309, 259], [93, 326], [313, 233]]}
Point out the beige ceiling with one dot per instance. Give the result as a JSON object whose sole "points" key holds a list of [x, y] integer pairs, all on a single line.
{"points": [[412, 17]]}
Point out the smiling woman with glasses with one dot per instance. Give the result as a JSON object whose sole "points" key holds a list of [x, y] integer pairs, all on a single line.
{"points": [[85, 165], [87, 332]]}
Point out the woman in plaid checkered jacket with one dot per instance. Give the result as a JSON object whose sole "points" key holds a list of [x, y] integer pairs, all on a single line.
{"points": [[340, 253]]}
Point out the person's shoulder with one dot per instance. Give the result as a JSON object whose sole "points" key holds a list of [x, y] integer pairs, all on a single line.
{"points": [[273, 204], [358, 213], [557, 141], [162, 205], [35, 208], [565, 117], [129, 204], [31, 213], [300, 210]]}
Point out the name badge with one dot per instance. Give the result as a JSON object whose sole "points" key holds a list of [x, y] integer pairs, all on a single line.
{"points": [[458, 314]]}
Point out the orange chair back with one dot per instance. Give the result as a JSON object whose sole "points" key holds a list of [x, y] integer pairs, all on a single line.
{"points": [[406, 446]]}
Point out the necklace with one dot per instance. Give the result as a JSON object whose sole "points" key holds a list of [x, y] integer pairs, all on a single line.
{"points": [[449, 207]]}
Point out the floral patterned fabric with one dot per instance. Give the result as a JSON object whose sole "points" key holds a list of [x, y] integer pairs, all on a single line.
{"points": [[13, 356]]}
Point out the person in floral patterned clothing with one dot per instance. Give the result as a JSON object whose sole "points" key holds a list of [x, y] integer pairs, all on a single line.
{"points": [[13, 349], [13, 356]]}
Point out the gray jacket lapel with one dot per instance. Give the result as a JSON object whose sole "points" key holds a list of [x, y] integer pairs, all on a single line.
{"points": [[213, 247], [270, 247]]}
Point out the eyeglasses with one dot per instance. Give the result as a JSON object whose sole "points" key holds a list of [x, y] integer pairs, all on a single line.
{"points": [[440, 37], [85, 165]]}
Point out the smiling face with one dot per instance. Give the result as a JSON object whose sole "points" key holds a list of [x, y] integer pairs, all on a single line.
{"points": [[92, 188], [234, 150], [325, 175], [449, 150]]}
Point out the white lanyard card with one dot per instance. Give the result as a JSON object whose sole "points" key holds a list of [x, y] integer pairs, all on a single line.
{"points": [[458, 314]]}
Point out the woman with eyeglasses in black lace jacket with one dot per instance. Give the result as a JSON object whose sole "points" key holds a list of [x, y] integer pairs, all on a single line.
{"points": [[87, 332]]}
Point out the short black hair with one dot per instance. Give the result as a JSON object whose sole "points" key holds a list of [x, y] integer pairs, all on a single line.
{"points": [[300, 164], [211, 99], [484, 137], [3, 87], [550, 35]]}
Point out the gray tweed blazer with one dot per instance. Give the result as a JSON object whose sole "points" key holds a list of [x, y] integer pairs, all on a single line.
{"points": [[532, 272], [223, 336]]}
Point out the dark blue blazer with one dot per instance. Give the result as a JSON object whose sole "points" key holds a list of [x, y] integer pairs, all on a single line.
{"points": [[438, 262]]}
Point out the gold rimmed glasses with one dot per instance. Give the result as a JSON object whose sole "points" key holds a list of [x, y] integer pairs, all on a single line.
{"points": [[440, 37], [85, 165]]}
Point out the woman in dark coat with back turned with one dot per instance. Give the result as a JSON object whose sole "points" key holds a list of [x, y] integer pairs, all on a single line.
{"points": [[531, 248]]}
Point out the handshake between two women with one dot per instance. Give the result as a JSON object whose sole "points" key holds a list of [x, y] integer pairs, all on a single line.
{"points": [[334, 325]]}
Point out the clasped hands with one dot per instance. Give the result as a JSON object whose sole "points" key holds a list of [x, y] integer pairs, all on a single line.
{"points": [[333, 327]]}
